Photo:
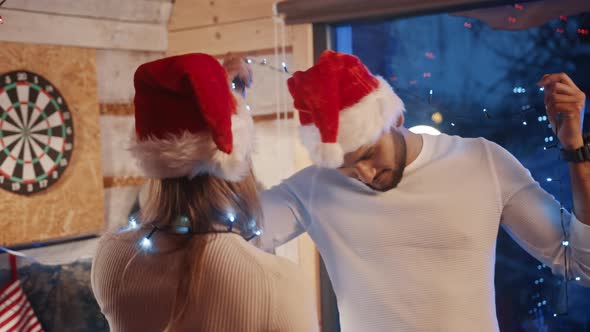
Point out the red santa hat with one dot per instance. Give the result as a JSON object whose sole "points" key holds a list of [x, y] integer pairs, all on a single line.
{"points": [[188, 121], [342, 107]]}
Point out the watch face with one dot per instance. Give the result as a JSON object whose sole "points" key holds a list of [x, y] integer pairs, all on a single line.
{"points": [[36, 133]]}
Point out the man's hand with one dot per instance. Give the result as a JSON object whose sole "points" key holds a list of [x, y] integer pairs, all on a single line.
{"points": [[564, 102], [235, 66]]}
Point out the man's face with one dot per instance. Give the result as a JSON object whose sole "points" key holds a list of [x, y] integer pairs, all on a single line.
{"points": [[381, 165]]}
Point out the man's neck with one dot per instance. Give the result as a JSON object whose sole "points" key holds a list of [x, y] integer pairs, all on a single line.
{"points": [[413, 144]]}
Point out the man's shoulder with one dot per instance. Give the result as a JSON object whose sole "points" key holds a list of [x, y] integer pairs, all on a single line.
{"points": [[309, 173], [456, 139], [447, 145], [312, 179], [477, 147]]}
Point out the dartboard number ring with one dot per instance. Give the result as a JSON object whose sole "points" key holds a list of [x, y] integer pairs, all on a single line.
{"points": [[36, 133]]}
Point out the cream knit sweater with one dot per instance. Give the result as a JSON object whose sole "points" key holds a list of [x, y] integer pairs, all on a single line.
{"points": [[246, 289]]}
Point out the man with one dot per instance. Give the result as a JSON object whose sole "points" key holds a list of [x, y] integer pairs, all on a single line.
{"points": [[406, 224]]}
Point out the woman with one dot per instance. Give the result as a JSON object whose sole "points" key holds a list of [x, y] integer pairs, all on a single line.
{"points": [[186, 264]]}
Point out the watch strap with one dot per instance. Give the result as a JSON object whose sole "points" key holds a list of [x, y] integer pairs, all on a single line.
{"points": [[578, 155]]}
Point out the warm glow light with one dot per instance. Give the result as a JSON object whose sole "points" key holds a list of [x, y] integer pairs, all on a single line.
{"points": [[424, 130], [436, 117]]}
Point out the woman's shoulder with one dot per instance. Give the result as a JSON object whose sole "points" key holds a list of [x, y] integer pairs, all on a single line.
{"points": [[231, 249], [117, 240]]}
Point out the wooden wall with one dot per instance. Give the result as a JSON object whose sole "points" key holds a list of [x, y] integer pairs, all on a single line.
{"points": [[105, 24]]}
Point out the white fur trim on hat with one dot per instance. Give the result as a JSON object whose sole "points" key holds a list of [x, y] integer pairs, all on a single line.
{"points": [[360, 124], [190, 154], [328, 155]]}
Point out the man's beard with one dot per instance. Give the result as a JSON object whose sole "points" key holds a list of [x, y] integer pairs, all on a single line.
{"points": [[399, 163]]}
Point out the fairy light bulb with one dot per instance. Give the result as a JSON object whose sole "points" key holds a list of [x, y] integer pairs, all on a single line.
{"points": [[146, 243], [231, 217], [251, 224], [133, 223], [182, 225]]}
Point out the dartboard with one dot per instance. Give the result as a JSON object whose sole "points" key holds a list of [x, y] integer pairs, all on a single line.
{"points": [[36, 133]]}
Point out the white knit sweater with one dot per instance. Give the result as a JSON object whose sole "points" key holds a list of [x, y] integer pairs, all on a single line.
{"points": [[421, 257]]}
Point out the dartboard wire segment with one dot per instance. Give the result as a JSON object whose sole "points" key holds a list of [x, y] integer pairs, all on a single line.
{"points": [[36, 133]]}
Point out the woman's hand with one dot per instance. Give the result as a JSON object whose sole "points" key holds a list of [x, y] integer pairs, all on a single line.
{"points": [[236, 66]]}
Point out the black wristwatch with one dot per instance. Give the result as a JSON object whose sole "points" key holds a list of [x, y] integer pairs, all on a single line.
{"points": [[579, 155]]}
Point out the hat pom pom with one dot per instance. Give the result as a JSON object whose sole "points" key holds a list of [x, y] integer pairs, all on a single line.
{"points": [[328, 155]]}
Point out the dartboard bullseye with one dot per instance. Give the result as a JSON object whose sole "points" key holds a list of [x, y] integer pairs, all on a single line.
{"points": [[36, 133]]}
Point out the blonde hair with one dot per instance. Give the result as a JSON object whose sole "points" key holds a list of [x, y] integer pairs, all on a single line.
{"points": [[205, 200]]}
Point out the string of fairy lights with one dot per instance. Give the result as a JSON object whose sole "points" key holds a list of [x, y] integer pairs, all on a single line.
{"points": [[182, 226]]}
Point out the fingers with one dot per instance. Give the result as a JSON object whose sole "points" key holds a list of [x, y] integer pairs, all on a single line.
{"points": [[245, 74], [237, 66], [228, 57], [558, 92], [560, 98], [250, 74], [561, 88], [554, 78]]}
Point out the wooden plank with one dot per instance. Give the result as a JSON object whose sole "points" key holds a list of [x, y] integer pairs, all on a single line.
{"points": [[309, 261], [115, 70], [253, 53], [123, 181], [115, 10], [220, 39], [115, 134], [302, 43], [36, 28], [272, 117], [123, 109], [190, 14], [129, 110], [302, 59]]}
